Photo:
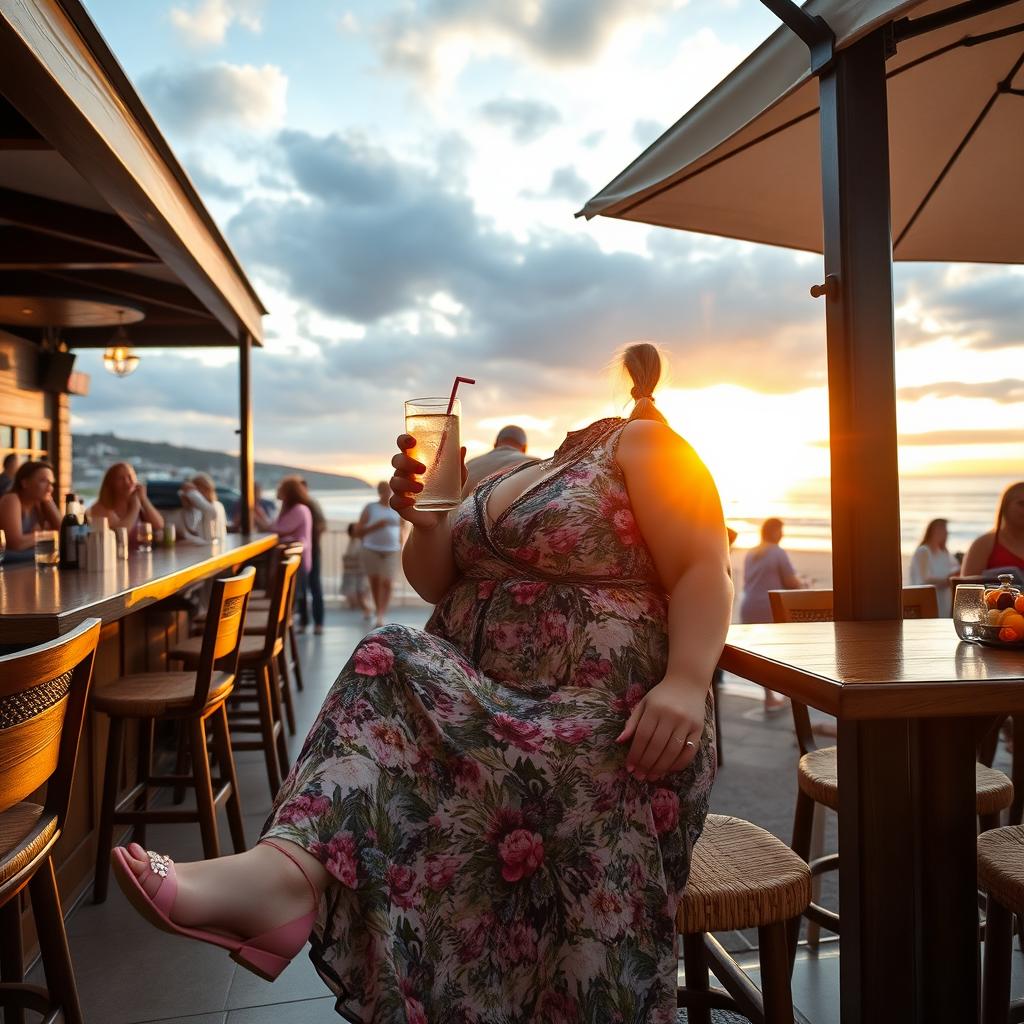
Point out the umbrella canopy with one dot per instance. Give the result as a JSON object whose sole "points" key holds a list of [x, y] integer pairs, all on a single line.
{"points": [[744, 162]]}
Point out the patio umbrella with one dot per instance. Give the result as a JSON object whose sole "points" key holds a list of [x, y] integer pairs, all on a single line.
{"points": [[744, 162]]}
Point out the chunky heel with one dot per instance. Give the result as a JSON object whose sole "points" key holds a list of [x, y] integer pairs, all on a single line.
{"points": [[266, 965]]}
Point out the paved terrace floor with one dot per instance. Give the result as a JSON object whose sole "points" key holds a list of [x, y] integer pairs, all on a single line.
{"points": [[130, 973]]}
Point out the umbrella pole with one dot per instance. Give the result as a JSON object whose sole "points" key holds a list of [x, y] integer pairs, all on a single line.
{"points": [[866, 560]]}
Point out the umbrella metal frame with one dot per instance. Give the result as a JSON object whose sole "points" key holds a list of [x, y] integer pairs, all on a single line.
{"points": [[884, 969]]}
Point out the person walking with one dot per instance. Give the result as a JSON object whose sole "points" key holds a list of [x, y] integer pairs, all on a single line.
{"points": [[509, 450], [493, 818], [933, 565], [294, 523], [767, 567], [380, 530]]}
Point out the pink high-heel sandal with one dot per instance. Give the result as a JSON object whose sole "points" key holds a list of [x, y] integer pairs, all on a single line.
{"points": [[266, 955]]}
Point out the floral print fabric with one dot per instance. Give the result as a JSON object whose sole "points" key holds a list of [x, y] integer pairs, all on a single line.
{"points": [[494, 861]]}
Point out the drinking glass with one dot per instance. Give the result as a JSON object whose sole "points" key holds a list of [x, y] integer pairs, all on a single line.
{"points": [[47, 550], [145, 536], [436, 431], [3, 546], [969, 611]]}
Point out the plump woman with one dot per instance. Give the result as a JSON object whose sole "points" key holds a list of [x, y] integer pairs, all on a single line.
{"points": [[495, 816]]}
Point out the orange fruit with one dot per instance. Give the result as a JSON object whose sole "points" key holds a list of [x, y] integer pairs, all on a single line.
{"points": [[992, 597], [1014, 621], [1009, 635], [1019, 603]]}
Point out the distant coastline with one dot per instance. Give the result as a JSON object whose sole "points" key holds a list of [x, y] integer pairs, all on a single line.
{"points": [[93, 453]]}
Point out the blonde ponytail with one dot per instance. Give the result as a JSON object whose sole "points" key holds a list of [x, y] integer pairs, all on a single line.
{"points": [[642, 362]]}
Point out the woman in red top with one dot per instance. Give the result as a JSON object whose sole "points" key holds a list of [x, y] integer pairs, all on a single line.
{"points": [[1003, 546]]}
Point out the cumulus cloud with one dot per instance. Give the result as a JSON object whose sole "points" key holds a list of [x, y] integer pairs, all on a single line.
{"points": [[208, 183], [554, 31], [374, 239], [565, 184], [527, 120], [1005, 392], [190, 99], [207, 22]]}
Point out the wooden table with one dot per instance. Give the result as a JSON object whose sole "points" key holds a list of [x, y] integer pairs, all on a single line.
{"points": [[40, 604], [911, 701]]}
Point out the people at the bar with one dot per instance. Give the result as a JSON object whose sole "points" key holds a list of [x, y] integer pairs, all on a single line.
{"points": [[1003, 546], [767, 567], [294, 522], [380, 530], [203, 517], [311, 596], [933, 565], [27, 507], [497, 813], [10, 467], [123, 501], [259, 501], [509, 450]]}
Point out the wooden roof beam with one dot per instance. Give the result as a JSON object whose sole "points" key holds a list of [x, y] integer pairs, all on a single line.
{"points": [[131, 288], [21, 249], [73, 223]]}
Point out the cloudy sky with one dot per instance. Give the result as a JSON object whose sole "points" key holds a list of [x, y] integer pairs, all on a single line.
{"points": [[399, 179]]}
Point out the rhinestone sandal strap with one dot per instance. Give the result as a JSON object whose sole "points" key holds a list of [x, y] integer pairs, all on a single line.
{"points": [[163, 867]]}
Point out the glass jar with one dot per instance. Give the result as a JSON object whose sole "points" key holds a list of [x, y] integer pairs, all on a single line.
{"points": [[969, 611]]}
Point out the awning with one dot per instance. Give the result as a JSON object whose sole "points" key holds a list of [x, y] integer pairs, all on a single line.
{"points": [[745, 162], [96, 213]]}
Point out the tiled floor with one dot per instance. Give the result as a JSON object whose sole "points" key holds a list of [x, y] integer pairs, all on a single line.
{"points": [[129, 973]]}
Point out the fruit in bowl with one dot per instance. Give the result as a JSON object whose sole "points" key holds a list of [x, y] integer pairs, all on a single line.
{"points": [[1002, 621]]}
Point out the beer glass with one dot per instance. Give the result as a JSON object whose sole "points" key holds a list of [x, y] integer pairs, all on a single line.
{"points": [[47, 550], [436, 430], [144, 533]]}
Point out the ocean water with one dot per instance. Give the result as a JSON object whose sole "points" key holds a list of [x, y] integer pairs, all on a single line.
{"points": [[968, 502]]}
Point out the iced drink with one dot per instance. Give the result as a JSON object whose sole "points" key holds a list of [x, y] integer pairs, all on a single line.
{"points": [[438, 448]]}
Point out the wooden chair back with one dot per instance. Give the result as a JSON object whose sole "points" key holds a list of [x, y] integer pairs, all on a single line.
{"points": [[919, 602], [222, 634], [282, 597], [43, 696]]}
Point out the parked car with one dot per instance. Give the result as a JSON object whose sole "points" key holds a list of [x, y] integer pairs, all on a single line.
{"points": [[164, 494]]}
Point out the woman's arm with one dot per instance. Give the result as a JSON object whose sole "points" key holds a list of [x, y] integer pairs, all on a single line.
{"points": [[128, 520], [51, 513], [978, 555], [147, 510], [679, 513], [788, 575], [10, 523], [427, 557]]}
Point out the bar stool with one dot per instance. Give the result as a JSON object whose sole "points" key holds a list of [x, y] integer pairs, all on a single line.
{"points": [[194, 699], [260, 657], [43, 696], [1001, 877], [741, 877], [818, 770]]}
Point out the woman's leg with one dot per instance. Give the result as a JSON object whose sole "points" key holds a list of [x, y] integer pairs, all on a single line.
{"points": [[384, 590], [375, 591], [244, 894], [316, 590], [302, 607]]}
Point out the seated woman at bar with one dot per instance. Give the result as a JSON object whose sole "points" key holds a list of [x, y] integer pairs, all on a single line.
{"points": [[122, 500], [203, 519], [493, 818], [1003, 546], [28, 506], [294, 522]]}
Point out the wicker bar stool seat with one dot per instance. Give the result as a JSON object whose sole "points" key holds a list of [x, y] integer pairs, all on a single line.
{"points": [[44, 692], [818, 778], [741, 877], [1001, 877]]}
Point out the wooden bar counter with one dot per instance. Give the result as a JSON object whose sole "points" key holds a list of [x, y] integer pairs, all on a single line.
{"points": [[39, 604]]}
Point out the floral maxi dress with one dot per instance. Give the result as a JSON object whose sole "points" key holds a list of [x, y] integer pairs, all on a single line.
{"points": [[494, 862]]}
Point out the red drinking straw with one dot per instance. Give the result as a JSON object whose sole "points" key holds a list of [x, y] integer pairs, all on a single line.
{"points": [[455, 387]]}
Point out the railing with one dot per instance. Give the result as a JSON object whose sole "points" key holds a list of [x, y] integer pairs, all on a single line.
{"points": [[333, 543]]}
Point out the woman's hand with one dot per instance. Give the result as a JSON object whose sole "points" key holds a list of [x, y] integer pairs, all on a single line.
{"points": [[666, 727], [405, 486]]}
